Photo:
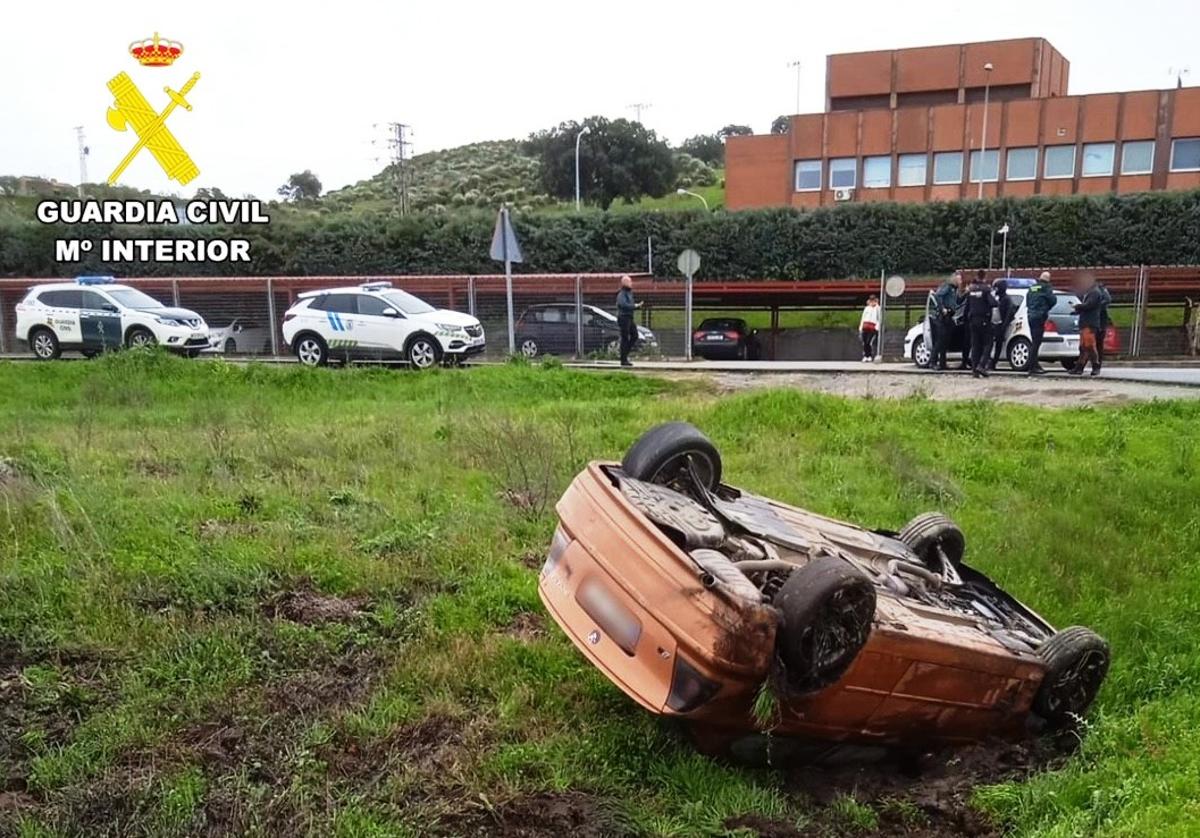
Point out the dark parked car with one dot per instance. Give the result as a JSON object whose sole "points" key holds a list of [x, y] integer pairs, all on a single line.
{"points": [[550, 330], [726, 338]]}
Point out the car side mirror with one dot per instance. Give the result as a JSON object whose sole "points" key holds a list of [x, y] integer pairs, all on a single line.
{"points": [[390, 312]]}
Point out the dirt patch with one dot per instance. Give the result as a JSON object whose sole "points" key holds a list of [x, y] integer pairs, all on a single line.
{"points": [[429, 747], [310, 607], [547, 815], [526, 626], [1054, 391]]}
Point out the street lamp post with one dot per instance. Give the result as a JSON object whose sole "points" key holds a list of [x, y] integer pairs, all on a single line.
{"points": [[587, 129], [987, 85], [1004, 248], [682, 191], [796, 64]]}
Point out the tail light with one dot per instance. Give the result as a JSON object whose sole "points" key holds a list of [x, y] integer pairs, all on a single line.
{"points": [[1051, 326], [731, 335], [610, 614], [288, 316], [558, 546], [696, 335], [689, 689]]}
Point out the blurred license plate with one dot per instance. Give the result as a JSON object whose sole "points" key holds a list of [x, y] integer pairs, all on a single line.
{"points": [[715, 337]]}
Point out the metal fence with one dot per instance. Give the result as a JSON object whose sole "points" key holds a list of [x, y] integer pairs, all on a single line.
{"points": [[573, 315]]}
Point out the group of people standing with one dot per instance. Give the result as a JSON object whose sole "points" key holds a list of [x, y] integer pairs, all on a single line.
{"points": [[988, 312]]}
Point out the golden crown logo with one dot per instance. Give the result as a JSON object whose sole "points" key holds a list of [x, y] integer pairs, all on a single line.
{"points": [[156, 52]]}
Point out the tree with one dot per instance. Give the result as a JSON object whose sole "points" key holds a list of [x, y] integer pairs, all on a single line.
{"points": [[707, 147], [781, 125], [735, 131], [617, 159], [205, 193], [301, 186]]}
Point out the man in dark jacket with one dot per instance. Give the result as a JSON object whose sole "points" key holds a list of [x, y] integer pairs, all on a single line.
{"points": [[1088, 309], [941, 323], [1002, 318], [625, 325], [1105, 322], [980, 304], [1038, 304]]}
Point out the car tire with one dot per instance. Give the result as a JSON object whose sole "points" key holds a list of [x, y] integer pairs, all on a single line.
{"points": [[529, 347], [422, 352], [230, 346], [662, 453], [88, 353], [1068, 364], [44, 344], [1076, 661], [929, 531], [311, 350], [1020, 354], [139, 336], [826, 609], [919, 352]]}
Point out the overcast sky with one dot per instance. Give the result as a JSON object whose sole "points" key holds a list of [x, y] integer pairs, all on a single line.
{"points": [[287, 87]]}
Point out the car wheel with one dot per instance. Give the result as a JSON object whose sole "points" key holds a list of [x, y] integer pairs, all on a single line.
{"points": [[88, 353], [230, 346], [529, 347], [920, 353], [826, 609], [1068, 364], [663, 454], [312, 351], [423, 352], [139, 337], [44, 345], [1076, 661], [931, 531], [614, 347], [1020, 353]]}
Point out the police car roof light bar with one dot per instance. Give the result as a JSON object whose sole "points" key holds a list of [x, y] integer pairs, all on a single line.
{"points": [[375, 286], [94, 280]]}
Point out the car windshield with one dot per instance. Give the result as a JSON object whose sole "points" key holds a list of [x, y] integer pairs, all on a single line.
{"points": [[407, 303], [728, 323], [132, 298], [603, 315]]}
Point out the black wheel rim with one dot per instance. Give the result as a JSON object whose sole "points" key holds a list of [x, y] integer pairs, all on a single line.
{"points": [[676, 471], [1074, 688], [831, 642]]}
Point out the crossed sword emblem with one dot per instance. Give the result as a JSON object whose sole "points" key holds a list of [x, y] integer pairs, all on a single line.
{"points": [[131, 108]]}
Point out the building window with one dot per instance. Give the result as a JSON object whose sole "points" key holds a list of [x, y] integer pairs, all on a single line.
{"points": [[1137, 158], [877, 172], [988, 169], [911, 170], [1097, 159], [1022, 164], [1060, 161], [947, 167], [843, 173], [808, 175], [1185, 155]]}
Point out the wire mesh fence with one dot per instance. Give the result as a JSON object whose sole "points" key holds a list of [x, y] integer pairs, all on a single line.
{"points": [[574, 316]]}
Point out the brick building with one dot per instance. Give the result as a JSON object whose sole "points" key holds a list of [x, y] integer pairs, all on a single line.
{"points": [[906, 125]]}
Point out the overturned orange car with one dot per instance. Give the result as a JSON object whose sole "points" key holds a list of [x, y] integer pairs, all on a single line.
{"points": [[698, 599]]}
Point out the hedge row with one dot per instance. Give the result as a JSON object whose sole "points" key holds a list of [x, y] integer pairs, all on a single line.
{"points": [[855, 240]]}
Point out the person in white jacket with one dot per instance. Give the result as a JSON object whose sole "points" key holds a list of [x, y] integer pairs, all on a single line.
{"points": [[868, 328]]}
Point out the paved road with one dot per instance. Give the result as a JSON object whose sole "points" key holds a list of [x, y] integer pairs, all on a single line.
{"points": [[1185, 376]]}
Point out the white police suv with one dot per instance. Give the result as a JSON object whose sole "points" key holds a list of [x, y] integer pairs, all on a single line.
{"points": [[94, 314], [376, 321]]}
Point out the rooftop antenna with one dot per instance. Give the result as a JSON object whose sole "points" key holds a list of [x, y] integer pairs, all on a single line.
{"points": [[637, 109]]}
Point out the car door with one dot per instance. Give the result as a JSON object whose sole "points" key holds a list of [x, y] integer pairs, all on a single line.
{"points": [[558, 329], [99, 322], [377, 333], [62, 315], [341, 316]]}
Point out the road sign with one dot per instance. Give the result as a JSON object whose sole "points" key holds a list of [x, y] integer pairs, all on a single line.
{"points": [[894, 286], [689, 262]]}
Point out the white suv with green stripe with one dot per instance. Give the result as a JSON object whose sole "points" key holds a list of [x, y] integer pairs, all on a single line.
{"points": [[377, 322]]}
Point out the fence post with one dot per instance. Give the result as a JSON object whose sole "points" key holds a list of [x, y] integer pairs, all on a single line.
{"points": [[578, 316], [3, 334], [271, 318], [175, 292], [471, 296]]}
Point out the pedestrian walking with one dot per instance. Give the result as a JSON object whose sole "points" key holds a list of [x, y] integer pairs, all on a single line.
{"points": [[1038, 303], [626, 307], [941, 324], [868, 328], [960, 313], [981, 302], [1088, 309], [1105, 324], [1002, 318]]}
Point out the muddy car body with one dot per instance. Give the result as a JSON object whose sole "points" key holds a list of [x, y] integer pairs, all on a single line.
{"points": [[693, 597]]}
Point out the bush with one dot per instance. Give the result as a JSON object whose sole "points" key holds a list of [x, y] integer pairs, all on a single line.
{"points": [[847, 241]]}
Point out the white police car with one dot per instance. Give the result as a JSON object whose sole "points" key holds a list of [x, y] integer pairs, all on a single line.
{"points": [[378, 322], [94, 314]]}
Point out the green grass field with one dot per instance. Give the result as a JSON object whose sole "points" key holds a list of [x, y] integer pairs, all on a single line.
{"points": [[269, 600]]}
